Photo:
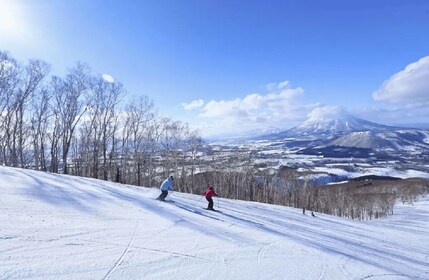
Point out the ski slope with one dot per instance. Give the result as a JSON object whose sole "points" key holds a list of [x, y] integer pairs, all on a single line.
{"points": [[64, 227]]}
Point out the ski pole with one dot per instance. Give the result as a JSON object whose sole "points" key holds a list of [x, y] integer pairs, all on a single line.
{"points": [[198, 200], [169, 194]]}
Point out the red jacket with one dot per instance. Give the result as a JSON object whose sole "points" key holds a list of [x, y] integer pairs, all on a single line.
{"points": [[209, 193]]}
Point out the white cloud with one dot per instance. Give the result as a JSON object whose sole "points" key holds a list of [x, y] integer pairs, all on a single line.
{"points": [[278, 107], [280, 85], [253, 105], [409, 87], [193, 105], [108, 78], [327, 112], [283, 84]]}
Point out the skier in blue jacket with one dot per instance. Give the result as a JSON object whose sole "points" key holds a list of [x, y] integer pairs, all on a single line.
{"points": [[165, 186]]}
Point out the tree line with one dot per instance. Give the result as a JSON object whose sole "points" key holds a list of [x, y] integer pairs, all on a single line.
{"points": [[83, 125], [239, 177]]}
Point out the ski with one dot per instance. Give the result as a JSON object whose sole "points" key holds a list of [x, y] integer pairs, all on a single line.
{"points": [[165, 200], [214, 210]]}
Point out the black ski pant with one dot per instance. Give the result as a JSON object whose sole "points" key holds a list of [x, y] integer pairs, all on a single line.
{"points": [[210, 200], [163, 194]]}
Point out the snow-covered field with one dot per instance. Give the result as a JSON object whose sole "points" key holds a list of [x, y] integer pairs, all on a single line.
{"points": [[63, 227], [378, 171]]}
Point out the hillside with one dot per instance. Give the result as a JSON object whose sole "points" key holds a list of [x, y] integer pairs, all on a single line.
{"points": [[320, 127], [64, 227]]}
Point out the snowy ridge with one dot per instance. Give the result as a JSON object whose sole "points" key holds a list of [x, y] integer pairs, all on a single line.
{"points": [[395, 140], [363, 139], [64, 227], [341, 123]]}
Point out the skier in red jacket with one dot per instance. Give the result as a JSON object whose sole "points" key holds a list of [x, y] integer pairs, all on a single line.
{"points": [[209, 193]]}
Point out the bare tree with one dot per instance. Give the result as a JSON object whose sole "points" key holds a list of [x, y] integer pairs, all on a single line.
{"points": [[103, 99], [194, 145], [152, 147], [69, 105], [138, 116], [18, 84], [35, 72], [178, 134], [9, 80], [39, 127]]}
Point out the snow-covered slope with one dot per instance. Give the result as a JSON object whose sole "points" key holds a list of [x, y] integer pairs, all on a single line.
{"points": [[63, 227], [395, 140], [364, 139], [337, 124]]}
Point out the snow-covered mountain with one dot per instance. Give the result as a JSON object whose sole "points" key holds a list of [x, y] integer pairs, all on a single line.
{"points": [[395, 140], [323, 134], [339, 124], [66, 227], [330, 126], [364, 139]]}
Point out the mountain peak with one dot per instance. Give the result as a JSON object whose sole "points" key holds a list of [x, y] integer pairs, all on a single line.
{"points": [[332, 120], [336, 123], [329, 122]]}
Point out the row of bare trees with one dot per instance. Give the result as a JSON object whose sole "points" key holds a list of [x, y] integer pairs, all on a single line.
{"points": [[82, 124], [361, 200]]}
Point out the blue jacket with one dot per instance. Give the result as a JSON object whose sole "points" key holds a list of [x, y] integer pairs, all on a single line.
{"points": [[167, 185]]}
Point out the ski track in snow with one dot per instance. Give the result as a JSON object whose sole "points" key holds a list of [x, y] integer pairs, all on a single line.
{"points": [[118, 262], [65, 227]]}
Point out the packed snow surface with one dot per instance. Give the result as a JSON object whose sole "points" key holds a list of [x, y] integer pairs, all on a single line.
{"points": [[64, 227]]}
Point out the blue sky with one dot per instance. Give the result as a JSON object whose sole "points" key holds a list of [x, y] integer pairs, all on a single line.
{"points": [[229, 66]]}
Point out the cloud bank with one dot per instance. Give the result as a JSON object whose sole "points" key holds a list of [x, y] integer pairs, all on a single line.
{"points": [[408, 87], [277, 107], [193, 105]]}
